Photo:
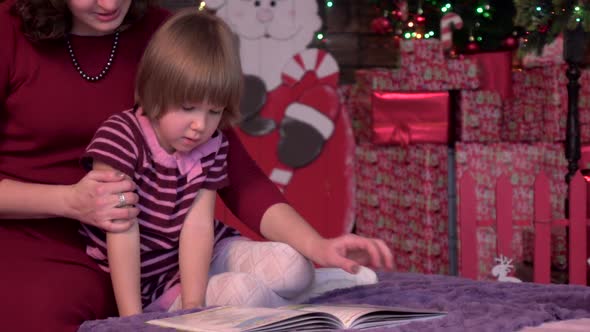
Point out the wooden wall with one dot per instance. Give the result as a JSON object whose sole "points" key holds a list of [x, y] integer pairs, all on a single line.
{"points": [[347, 35]]}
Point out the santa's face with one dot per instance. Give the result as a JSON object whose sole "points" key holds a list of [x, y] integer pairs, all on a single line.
{"points": [[270, 33], [255, 19]]}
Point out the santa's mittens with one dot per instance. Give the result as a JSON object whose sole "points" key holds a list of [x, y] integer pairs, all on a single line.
{"points": [[307, 124], [253, 100]]}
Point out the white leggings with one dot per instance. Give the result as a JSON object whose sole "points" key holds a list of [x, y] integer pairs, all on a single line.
{"points": [[264, 274], [256, 273], [252, 273]]}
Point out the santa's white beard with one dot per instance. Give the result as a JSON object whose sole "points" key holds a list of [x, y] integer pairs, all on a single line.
{"points": [[266, 57]]}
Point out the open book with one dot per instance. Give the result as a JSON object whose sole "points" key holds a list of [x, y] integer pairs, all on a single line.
{"points": [[306, 317]]}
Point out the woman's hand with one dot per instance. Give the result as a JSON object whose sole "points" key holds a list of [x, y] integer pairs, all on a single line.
{"points": [[95, 200], [349, 251]]}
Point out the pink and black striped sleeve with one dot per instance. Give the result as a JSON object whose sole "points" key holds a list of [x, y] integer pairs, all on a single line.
{"points": [[114, 144], [215, 167]]}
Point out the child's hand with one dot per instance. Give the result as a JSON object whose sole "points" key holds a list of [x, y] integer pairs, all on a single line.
{"points": [[349, 251], [192, 305]]}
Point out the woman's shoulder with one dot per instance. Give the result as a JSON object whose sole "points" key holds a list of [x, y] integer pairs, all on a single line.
{"points": [[141, 31], [9, 25], [158, 13], [8, 22], [153, 18]]}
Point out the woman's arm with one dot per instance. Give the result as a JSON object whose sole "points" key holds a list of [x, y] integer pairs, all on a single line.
{"points": [[257, 202], [250, 193], [196, 249], [92, 200], [87, 200], [97, 189], [282, 223], [124, 262]]}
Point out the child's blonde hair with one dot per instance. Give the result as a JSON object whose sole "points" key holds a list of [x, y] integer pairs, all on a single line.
{"points": [[193, 57]]}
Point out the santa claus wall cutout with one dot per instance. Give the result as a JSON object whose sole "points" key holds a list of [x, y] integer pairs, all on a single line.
{"points": [[292, 122]]}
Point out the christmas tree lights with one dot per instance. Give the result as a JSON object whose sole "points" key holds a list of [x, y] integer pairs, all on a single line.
{"points": [[543, 20], [487, 23]]}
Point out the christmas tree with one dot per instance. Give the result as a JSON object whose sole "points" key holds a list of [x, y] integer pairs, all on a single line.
{"points": [[487, 24], [543, 20]]}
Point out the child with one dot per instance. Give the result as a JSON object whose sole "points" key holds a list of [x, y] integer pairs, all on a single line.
{"points": [[188, 86]]}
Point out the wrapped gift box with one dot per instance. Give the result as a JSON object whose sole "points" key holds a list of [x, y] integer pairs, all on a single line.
{"points": [[538, 111], [553, 83], [421, 50], [521, 163], [423, 68], [455, 75], [495, 71], [523, 114], [402, 199], [552, 54], [402, 118], [463, 74], [358, 105], [480, 116]]}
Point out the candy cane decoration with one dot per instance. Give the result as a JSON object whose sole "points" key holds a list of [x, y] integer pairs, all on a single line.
{"points": [[447, 23], [312, 59]]}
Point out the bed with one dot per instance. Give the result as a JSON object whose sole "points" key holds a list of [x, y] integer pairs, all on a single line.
{"points": [[471, 305]]}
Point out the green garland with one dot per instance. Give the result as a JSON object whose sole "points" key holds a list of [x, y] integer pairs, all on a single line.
{"points": [[543, 20]]}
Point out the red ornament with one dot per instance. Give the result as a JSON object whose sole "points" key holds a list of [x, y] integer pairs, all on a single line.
{"points": [[380, 25], [452, 53], [543, 28], [472, 47], [510, 43]]}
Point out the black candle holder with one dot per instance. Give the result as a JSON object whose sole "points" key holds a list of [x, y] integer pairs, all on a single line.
{"points": [[574, 50]]}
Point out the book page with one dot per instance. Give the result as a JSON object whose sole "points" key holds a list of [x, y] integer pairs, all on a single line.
{"points": [[347, 315], [230, 319], [355, 315]]}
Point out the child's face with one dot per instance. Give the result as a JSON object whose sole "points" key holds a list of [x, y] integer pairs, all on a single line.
{"points": [[183, 128]]}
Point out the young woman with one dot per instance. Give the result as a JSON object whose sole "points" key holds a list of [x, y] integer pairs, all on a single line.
{"points": [[65, 67]]}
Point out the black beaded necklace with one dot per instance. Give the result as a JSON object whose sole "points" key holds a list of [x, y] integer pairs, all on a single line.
{"points": [[106, 68]]}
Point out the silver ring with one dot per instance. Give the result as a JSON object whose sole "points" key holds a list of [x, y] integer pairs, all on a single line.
{"points": [[122, 200]]}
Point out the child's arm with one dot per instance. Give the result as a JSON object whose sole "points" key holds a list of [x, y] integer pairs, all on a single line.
{"points": [[124, 262], [196, 248]]}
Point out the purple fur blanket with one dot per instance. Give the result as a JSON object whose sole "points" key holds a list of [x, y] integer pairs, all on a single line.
{"points": [[471, 305]]}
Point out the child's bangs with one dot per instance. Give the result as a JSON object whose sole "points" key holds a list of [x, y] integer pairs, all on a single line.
{"points": [[213, 81]]}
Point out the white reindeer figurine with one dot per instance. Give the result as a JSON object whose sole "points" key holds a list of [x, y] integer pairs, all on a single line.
{"points": [[503, 268]]}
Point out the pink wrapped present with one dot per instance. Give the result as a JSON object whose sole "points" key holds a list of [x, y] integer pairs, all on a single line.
{"points": [[494, 71], [463, 74], [538, 111], [410, 117], [421, 50], [523, 114], [358, 111], [552, 54], [480, 116], [402, 199]]}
